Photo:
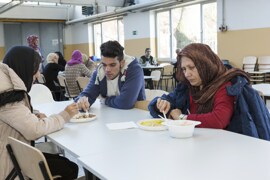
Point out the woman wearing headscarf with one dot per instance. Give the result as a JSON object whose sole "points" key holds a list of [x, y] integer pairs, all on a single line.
{"points": [[202, 94], [74, 69], [88, 62], [17, 73], [32, 41], [61, 59], [50, 73]]}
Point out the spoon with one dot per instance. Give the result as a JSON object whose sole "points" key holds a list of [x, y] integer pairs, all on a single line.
{"points": [[164, 115], [165, 119]]}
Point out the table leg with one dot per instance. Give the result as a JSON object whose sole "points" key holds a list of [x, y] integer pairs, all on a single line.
{"points": [[89, 175]]}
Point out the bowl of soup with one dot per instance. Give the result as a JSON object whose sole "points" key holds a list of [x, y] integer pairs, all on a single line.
{"points": [[181, 128]]}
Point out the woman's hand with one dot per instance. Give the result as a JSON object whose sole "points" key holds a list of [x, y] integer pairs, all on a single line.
{"points": [[72, 109], [83, 103], [163, 105], [175, 113], [40, 115]]}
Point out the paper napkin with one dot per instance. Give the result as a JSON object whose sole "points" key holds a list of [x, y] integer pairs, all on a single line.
{"points": [[122, 125]]}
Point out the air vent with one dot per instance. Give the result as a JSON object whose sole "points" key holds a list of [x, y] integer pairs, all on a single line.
{"points": [[87, 10]]}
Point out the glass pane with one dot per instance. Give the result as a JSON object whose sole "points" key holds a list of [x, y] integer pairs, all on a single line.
{"points": [[210, 25], [109, 30], [186, 25], [97, 39], [121, 33], [163, 34]]}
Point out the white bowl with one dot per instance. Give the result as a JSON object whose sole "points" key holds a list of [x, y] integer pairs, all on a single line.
{"points": [[181, 128]]}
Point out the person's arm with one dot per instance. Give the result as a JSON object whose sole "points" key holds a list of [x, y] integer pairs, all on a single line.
{"points": [[91, 91], [60, 67], [141, 61], [155, 61], [85, 71], [29, 125], [221, 114], [177, 99], [129, 91]]}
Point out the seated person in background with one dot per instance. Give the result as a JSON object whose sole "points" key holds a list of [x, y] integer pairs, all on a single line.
{"points": [[17, 73], [61, 59], [87, 61], [118, 79], [74, 69], [147, 60], [50, 73], [202, 94]]}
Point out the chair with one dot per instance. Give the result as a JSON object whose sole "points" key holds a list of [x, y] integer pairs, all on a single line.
{"points": [[40, 94], [250, 66], [150, 94], [63, 83], [168, 75], [156, 78], [82, 82], [249, 63], [28, 161], [142, 105]]}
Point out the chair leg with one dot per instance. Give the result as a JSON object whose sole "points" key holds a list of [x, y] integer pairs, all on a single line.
{"points": [[43, 170], [15, 163]]}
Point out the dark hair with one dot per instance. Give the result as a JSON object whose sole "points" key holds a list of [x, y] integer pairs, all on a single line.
{"points": [[61, 60], [112, 49], [25, 62], [11, 97], [147, 49]]}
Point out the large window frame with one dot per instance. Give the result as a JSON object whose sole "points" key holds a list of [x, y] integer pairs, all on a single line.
{"points": [[203, 32], [101, 33]]}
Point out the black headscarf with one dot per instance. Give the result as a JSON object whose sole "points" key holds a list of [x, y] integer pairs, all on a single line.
{"points": [[61, 60], [25, 62]]}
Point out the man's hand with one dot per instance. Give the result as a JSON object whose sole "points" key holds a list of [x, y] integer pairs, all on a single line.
{"points": [[83, 103]]}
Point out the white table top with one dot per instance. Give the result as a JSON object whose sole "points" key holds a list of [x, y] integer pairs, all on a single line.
{"points": [[264, 88], [80, 138], [209, 155], [135, 154]]}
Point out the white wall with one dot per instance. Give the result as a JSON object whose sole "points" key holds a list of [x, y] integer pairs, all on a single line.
{"points": [[76, 33], [139, 22], [244, 14]]}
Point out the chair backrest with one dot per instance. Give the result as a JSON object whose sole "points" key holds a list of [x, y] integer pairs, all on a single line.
{"points": [[30, 160], [63, 83], [264, 63], [156, 75], [82, 82], [168, 70], [142, 105], [249, 63], [152, 93], [40, 94]]}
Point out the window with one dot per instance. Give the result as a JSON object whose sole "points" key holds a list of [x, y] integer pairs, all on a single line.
{"points": [[181, 26], [109, 30]]}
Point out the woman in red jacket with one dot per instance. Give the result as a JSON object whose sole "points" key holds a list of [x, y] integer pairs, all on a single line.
{"points": [[205, 77]]}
